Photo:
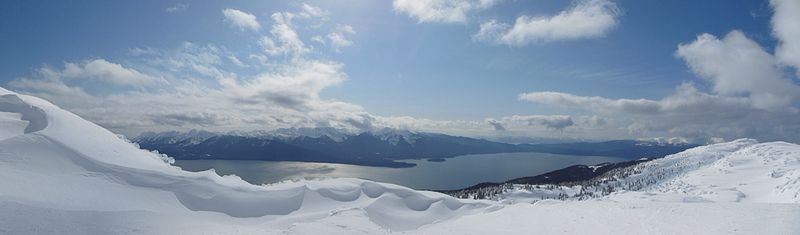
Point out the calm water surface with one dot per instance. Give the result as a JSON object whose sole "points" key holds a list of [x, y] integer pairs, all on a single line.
{"points": [[458, 172]]}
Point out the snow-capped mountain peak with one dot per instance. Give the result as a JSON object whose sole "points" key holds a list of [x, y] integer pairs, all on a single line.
{"points": [[188, 138], [391, 136], [395, 136]]}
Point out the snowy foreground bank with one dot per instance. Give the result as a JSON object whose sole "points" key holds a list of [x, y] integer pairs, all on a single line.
{"points": [[62, 174]]}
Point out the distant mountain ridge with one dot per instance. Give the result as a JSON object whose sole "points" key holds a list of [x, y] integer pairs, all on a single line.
{"points": [[376, 148]]}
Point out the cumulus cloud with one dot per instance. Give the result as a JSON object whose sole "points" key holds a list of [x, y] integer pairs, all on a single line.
{"points": [[104, 71], [203, 91], [586, 19], [241, 20], [750, 96], [208, 87], [287, 96], [291, 86], [441, 11], [738, 65], [786, 27]]}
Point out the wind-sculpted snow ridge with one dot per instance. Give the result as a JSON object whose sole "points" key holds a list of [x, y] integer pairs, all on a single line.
{"points": [[18, 117], [62, 162]]}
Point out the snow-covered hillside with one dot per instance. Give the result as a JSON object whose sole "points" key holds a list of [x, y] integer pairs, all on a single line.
{"points": [[739, 171], [62, 174]]}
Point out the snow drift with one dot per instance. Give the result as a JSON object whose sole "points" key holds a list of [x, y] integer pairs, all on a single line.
{"points": [[60, 161], [62, 174]]}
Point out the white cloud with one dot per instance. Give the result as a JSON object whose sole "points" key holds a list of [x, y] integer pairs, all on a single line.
{"points": [[241, 19], [442, 11], [185, 63], [177, 8], [586, 19], [750, 94], [688, 113], [104, 71], [491, 31], [687, 99], [204, 91], [598, 104], [786, 27], [737, 65], [53, 87], [338, 37], [235, 60], [319, 39], [309, 11], [284, 39], [287, 96]]}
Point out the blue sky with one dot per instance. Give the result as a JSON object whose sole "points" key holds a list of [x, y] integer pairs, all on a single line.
{"points": [[433, 72]]}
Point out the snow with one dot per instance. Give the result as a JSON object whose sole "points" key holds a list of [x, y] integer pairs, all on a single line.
{"points": [[396, 136], [595, 167], [738, 171], [62, 174], [11, 124], [604, 217], [188, 138]]}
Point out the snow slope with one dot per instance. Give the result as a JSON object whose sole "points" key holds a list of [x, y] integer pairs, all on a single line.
{"points": [[739, 171], [61, 162], [62, 174]]}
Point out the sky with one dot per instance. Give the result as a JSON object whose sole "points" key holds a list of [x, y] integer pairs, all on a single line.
{"points": [[696, 71]]}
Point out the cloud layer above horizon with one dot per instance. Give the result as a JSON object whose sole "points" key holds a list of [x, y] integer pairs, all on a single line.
{"points": [[293, 58], [751, 95]]}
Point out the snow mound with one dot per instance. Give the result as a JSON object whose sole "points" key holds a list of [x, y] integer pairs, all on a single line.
{"points": [[53, 160]]}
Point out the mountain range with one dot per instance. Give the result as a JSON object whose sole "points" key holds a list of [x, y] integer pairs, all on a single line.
{"points": [[382, 147]]}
